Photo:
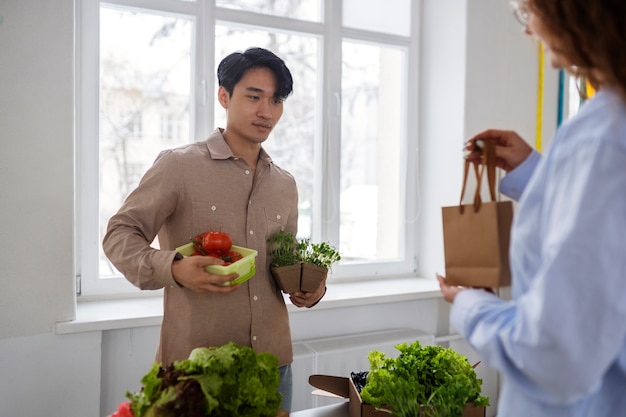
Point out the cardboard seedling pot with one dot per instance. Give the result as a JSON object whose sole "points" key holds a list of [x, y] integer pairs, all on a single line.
{"points": [[344, 387], [312, 276], [302, 276], [287, 277]]}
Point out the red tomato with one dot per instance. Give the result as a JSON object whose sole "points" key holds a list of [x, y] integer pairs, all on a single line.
{"points": [[123, 410], [197, 243], [232, 256], [218, 242]]}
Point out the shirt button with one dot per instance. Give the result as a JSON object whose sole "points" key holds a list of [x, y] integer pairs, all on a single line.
{"points": [[254, 338], [213, 208], [278, 217], [251, 232], [255, 298], [247, 172]]}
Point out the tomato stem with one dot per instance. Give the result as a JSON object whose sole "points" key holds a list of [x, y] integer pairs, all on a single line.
{"points": [[197, 244]]}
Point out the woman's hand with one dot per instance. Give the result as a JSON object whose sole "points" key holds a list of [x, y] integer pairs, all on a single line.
{"points": [[511, 149], [449, 291]]}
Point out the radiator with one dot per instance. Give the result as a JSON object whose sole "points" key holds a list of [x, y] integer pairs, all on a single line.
{"points": [[341, 355]]}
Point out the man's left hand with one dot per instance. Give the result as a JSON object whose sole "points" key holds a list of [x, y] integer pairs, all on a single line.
{"points": [[308, 299]]}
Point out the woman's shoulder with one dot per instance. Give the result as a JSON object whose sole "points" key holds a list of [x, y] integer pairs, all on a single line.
{"points": [[600, 120]]}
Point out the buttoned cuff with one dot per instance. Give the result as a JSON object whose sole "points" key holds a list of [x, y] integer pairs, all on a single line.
{"points": [[514, 182], [177, 257]]}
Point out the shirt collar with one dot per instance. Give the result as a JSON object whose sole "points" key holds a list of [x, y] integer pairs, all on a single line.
{"points": [[219, 149]]}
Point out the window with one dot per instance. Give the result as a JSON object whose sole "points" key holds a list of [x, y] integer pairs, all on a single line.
{"points": [[146, 82]]}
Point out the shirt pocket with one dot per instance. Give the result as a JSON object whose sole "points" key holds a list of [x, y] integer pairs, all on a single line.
{"points": [[212, 215], [275, 220]]}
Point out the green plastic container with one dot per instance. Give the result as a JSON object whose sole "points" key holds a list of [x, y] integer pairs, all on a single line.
{"points": [[244, 267]]}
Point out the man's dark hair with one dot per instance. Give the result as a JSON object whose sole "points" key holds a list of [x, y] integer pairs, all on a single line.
{"points": [[234, 66]]}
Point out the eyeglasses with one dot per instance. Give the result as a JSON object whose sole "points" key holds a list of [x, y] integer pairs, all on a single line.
{"points": [[520, 11]]}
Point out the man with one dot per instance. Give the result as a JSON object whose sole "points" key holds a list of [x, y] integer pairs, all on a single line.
{"points": [[226, 183]]}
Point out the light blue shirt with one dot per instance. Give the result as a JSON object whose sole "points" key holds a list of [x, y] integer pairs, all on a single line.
{"points": [[560, 343]]}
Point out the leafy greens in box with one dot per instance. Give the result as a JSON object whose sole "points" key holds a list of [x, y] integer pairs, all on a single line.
{"points": [[429, 381], [230, 380]]}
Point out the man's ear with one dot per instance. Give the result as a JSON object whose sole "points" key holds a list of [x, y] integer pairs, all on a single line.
{"points": [[223, 97]]}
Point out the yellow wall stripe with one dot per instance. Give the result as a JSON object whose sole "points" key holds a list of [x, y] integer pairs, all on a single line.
{"points": [[540, 86]]}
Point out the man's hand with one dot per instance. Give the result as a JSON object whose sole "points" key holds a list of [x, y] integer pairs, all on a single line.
{"points": [[308, 299], [189, 272]]}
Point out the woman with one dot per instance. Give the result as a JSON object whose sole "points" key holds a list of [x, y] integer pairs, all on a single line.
{"points": [[560, 343]]}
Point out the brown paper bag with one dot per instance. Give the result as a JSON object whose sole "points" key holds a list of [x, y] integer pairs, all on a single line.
{"points": [[476, 236]]}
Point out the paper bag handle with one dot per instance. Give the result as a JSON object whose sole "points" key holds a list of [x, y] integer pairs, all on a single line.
{"points": [[489, 164]]}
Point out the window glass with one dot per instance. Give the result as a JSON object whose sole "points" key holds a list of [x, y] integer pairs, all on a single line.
{"points": [[145, 78], [372, 137], [294, 9], [291, 144], [148, 83], [389, 16]]}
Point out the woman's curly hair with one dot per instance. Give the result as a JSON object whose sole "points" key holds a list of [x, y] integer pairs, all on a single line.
{"points": [[593, 37]]}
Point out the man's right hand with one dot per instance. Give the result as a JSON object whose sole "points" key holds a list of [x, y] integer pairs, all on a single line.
{"points": [[511, 149], [189, 272]]}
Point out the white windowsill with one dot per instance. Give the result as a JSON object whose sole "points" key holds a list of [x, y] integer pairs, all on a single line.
{"points": [[148, 311]]}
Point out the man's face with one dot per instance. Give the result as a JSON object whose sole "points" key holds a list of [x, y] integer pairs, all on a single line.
{"points": [[252, 111]]}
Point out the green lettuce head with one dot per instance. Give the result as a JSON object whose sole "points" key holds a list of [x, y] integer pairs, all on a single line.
{"points": [[229, 380], [424, 381]]}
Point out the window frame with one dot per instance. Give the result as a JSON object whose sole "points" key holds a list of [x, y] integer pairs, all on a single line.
{"points": [[206, 16]]}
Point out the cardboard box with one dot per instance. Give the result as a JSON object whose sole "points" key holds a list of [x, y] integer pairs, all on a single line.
{"points": [[344, 387]]}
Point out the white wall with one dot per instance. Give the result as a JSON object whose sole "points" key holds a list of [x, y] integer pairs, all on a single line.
{"points": [[477, 71], [36, 165]]}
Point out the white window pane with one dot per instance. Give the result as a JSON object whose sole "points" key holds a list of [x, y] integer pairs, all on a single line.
{"points": [[292, 141], [145, 79], [294, 9], [372, 200], [389, 16]]}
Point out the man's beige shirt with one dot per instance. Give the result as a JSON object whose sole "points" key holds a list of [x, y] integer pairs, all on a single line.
{"points": [[193, 189]]}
